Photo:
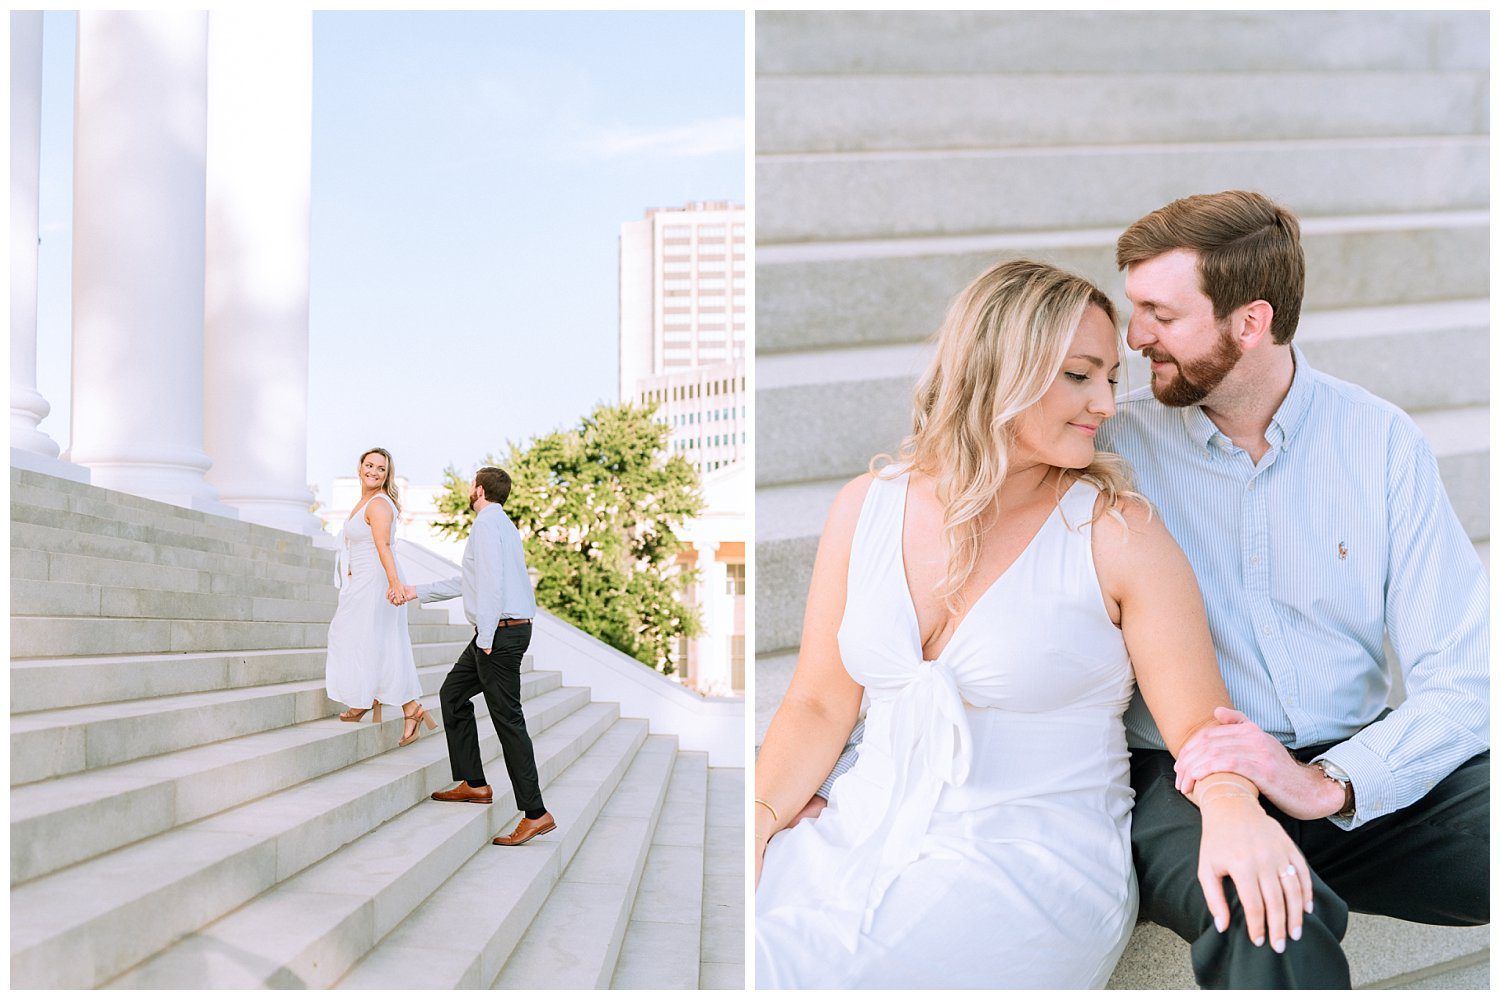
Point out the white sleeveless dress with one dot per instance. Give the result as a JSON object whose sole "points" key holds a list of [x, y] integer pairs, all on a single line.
{"points": [[369, 647], [982, 839]]}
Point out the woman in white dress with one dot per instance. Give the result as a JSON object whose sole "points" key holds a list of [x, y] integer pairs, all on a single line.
{"points": [[369, 648], [987, 597]]}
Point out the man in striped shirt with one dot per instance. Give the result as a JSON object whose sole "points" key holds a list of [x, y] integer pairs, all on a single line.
{"points": [[1315, 520]]}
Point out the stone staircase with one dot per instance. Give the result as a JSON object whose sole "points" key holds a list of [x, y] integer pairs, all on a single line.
{"points": [[899, 154], [187, 812]]}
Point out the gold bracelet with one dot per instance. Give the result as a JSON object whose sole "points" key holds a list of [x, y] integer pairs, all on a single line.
{"points": [[1205, 786], [774, 818]]}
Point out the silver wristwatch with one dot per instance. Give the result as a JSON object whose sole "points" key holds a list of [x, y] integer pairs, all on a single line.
{"points": [[1335, 773]]}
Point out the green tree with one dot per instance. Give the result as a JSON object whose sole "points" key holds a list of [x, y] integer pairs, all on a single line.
{"points": [[599, 508]]}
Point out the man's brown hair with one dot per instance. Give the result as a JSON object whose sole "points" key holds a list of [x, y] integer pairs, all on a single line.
{"points": [[495, 483], [1248, 248]]}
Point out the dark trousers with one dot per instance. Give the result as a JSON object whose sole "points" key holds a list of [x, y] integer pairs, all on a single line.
{"points": [[1428, 863], [498, 675]]}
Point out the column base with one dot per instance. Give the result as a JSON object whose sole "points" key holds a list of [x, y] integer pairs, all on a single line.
{"points": [[27, 410], [180, 485], [283, 515]]}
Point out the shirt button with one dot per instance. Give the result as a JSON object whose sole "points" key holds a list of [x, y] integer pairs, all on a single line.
{"points": [[1266, 630], [1250, 485], [1255, 560]]}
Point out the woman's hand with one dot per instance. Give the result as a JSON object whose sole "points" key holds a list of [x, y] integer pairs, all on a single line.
{"points": [[1269, 873], [397, 592]]}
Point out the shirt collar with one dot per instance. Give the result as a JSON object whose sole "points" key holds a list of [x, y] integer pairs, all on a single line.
{"points": [[1284, 422], [1294, 407]]}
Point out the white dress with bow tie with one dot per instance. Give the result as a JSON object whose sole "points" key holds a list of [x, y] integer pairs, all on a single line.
{"points": [[982, 838]]}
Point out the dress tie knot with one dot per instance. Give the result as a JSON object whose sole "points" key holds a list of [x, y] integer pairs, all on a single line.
{"points": [[930, 747]]}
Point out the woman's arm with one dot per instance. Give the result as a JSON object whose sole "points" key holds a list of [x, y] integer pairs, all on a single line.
{"points": [[822, 702], [379, 517], [1146, 577]]}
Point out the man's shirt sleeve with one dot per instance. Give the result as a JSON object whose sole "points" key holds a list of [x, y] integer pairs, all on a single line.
{"points": [[846, 760], [439, 590], [1436, 619]]}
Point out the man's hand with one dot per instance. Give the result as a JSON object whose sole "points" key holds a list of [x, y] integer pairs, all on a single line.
{"points": [[409, 593], [486, 652], [1240, 746]]}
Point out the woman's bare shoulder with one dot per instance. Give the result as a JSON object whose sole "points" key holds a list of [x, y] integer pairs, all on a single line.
{"points": [[1131, 542], [843, 513]]}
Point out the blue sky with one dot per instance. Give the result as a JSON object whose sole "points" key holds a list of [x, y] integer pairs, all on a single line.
{"points": [[470, 174]]}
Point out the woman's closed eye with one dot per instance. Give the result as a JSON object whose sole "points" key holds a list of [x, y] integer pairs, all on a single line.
{"points": [[1082, 377]]}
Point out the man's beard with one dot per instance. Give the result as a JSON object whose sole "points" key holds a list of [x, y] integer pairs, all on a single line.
{"points": [[1195, 379]]}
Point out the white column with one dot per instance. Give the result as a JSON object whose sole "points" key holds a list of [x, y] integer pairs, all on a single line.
{"points": [[256, 292], [715, 608], [138, 222], [27, 407]]}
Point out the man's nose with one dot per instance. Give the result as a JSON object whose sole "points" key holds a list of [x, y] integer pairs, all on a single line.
{"points": [[1137, 335]]}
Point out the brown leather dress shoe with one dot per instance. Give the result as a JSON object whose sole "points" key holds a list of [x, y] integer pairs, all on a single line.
{"points": [[526, 829], [463, 793]]}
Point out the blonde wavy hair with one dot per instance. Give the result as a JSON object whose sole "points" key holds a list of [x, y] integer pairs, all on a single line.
{"points": [[999, 349]]}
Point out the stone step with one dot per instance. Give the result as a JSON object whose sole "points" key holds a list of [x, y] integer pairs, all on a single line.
{"points": [[722, 960], [52, 597], [832, 42], [35, 636], [308, 931], [662, 942], [43, 505], [1380, 950], [853, 196], [863, 113], [39, 685], [89, 923], [789, 519], [574, 940], [296, 553], [847, 294], [41, 489], [79, 816], [61, 567], [66, 541], [449, 942], [66, 741], [821, 411]]}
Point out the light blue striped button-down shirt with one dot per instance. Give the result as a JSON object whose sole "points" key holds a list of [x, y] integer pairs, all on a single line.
{"points": [[1341, 535]]}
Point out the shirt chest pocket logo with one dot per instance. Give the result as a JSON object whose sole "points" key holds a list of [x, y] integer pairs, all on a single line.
{"points": [[1343, 550]]}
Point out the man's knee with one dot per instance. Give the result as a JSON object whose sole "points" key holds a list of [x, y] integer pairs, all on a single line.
{"points": [[1315, 960]]}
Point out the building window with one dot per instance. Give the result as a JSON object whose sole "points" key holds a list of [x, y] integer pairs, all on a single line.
{"points": [[737, 662], [734, 579]]}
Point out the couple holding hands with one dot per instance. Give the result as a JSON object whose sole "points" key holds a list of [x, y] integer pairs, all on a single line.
{"points": [[369, 648], [1073, 703]]}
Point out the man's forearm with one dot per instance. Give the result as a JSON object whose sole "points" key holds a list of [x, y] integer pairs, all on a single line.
{"points": [[440, 590]]}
